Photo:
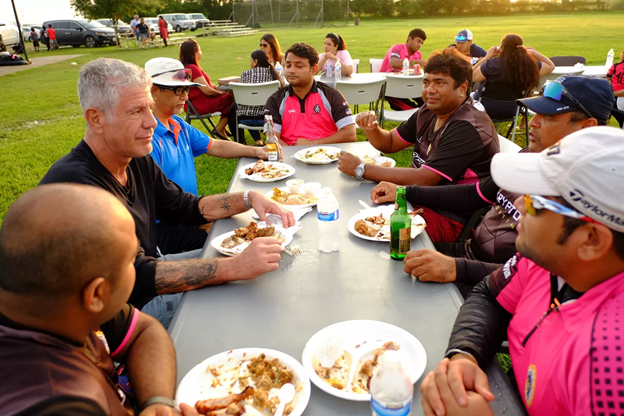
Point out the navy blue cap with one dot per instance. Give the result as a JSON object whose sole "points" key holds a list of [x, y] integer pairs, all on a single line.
{"points": [[595, 94]]}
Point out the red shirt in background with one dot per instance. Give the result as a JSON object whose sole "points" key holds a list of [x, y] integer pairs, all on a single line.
{"points": [[51, 33]]}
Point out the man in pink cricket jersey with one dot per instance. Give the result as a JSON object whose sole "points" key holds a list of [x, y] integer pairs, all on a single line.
{"points": [[393, 62], [558, 299], [307, 112], [65, 278]]}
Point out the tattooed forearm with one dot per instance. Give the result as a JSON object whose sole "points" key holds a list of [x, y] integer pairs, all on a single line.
{"points": [[224, 203], [181, 276]]}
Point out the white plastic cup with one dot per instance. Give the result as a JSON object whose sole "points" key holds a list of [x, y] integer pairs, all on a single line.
{"points": [[294, 186]]}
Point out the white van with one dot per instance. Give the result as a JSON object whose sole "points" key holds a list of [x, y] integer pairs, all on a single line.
{"points": [[10, 37], [179, 21]]}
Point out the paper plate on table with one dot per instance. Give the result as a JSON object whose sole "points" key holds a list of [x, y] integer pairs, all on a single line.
{"points": [[348, 346], [318, 155], [273, 172], [218, 240], [311, 203], [383, 231], [218, 377]]}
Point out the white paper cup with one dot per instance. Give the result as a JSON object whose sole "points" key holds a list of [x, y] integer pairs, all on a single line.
{"points": [[295, 186]]}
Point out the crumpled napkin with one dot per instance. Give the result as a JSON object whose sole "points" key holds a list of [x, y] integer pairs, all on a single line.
{"points": [[275, 219]]}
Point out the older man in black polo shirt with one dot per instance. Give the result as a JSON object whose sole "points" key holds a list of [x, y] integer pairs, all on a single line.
{"points": [[453, 136], [114, 155]]}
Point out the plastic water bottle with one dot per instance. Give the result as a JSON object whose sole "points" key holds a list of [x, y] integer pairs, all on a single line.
{"points": [[338, 71], [405, 67], [328, 214], [280, 70], [330, 71], [610, 56], [391, 389]]}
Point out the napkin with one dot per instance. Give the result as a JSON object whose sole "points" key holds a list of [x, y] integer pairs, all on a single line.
{"points": [[275, 219]]}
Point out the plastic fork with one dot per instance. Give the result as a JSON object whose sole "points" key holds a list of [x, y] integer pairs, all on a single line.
{"points": [[294, 248]]}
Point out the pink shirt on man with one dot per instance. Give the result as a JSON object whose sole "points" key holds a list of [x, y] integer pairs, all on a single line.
{"points": [[398, 51], [572, 363]]}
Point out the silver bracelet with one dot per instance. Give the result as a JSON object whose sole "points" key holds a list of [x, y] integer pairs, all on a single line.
{"points": [[454, 351], [246, 199], [158, 400]]}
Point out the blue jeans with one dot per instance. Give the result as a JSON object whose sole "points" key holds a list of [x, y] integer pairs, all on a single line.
{"points": [[163, 307], [255, 134]]}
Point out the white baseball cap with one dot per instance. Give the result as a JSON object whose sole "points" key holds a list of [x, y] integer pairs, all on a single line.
{"points": [[169, 72], [585, 168]]}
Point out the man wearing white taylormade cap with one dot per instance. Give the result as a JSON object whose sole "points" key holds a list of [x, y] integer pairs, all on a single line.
{"points": [[559, 298], [176, 143]]}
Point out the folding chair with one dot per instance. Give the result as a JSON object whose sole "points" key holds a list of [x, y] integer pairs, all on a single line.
{"points": [[375, 64], [401, 86], [499, 100], [568, 60], [253, 95], [356, 66], [193, 114], [366, 92]]}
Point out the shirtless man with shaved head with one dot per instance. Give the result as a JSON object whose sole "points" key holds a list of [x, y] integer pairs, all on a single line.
{"points": [[66, 272]]}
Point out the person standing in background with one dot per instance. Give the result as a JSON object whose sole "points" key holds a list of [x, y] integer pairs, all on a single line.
{"points": [[162, 28], [34, 38], [133, 24], [52, 38]]}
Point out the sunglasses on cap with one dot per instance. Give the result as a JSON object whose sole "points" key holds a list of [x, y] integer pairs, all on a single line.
{"points": [[183, 74], [535, 203], [176, 90], [555, 90]]}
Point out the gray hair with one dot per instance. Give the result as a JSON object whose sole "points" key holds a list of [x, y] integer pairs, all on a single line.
{"points": [[100, 82]]}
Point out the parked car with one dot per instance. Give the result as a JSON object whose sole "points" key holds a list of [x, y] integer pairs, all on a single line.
{"points": [[199, 18], [26, 31], [9, 37], [78, 32], [179, 21], [152, 22], [122, 28]]}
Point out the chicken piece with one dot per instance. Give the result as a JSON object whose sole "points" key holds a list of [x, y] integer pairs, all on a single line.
{"points": [[265, 232], [364, 229], [367, 368], [259, 167], [377, 219], [418, 211], [205, 406]]}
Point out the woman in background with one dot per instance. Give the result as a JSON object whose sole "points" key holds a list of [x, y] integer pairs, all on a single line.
{"points": [[271, 47], [162, 28], [206, 99], [261, 71], [335, 50]]}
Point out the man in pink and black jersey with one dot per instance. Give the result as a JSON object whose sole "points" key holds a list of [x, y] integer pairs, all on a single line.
{"points": [[559, 299], [65, 278], [453, 138], [308, 112]]}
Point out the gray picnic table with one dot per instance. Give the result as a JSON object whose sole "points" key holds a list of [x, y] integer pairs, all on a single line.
{"points": [[283, 309]]}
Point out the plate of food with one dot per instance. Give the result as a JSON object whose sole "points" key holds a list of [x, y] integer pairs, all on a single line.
{"points": [[374, 224], [318, 155], [262, 171], [292, 201], [383, 161], [244, 382], [341, 358], [234, 242]]}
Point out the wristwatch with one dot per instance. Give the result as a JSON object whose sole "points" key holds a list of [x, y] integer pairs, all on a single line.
{"points": [[158, 400], [360, 170]]}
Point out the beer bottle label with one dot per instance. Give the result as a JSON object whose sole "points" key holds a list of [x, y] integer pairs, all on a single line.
{"points": [[405, 240]]}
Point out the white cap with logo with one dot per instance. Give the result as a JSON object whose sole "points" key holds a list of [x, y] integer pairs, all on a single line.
{"points": [[585, 168], [169, 72]]}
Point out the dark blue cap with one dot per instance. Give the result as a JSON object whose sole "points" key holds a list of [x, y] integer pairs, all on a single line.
{"points": [[595, 94]]}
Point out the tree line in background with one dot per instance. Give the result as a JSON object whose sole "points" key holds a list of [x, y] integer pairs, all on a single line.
{"points": [[335, 9]]}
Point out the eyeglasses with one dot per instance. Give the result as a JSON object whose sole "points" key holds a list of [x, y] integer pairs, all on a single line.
{"points": [[176, 90], [555, 90], [264, 45], [534, 203], [183, 74]]}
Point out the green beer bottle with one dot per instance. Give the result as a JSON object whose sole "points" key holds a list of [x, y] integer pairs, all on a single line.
{"points": [[400, 227]]}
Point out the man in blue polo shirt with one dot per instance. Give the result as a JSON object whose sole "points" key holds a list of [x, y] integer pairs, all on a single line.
{"points": [[176, 143]]}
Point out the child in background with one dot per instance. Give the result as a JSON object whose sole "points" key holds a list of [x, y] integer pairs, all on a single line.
{"points": [[34, 38]]}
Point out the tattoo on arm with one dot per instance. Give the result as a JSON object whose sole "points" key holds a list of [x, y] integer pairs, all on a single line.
{"points": [[185, 275], [225, 205]]}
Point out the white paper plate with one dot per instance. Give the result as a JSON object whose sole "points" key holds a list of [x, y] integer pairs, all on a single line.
{"points": [[360, 337], [381, 159], [257, 177], [323, 161], [197, 383], [291, 207], [386, 210], [216, 242]]}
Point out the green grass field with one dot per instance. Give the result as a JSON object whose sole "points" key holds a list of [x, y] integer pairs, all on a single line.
{"points": [[41, 119]]}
